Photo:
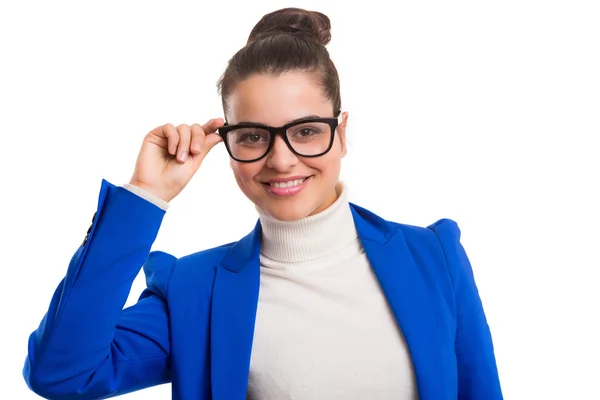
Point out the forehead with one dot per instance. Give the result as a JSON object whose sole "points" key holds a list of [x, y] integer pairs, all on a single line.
{"points": [[277, 99]]}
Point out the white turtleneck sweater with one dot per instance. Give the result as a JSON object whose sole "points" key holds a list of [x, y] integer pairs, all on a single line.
{"points": [[324, 330], [323, 327]]}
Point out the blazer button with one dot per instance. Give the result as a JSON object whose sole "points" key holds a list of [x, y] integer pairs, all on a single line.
{"points": [[87, 235]]}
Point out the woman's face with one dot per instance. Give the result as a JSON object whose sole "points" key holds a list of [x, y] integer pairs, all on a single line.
{"points": [[276, 101]]}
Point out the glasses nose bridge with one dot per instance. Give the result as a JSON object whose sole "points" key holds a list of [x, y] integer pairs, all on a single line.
{"points": [[282, 133], [278, 156]]}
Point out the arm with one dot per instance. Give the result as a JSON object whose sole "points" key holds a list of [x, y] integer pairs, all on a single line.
{"points": [[477, 370], [87, 346]]}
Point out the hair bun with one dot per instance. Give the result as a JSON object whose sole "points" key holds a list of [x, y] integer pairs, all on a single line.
{"points": [[296, 21]]}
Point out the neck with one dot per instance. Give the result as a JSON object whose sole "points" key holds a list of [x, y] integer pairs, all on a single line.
{"points": [[311, 239]]}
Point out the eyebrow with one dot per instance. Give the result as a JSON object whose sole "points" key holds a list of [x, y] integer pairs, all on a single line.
{"points": [[289, 122]]}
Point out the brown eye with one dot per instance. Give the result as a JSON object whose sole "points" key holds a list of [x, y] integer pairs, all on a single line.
{"points": [[307, 132], [251, 138]]}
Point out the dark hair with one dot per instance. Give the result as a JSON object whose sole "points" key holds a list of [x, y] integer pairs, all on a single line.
{"points": [[290, 39]]}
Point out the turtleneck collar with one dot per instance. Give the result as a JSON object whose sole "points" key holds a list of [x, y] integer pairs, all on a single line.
{"points": [[314, 239]]}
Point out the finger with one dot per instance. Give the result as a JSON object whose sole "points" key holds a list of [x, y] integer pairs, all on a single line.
{"points": [[212, 125], [211, 135], [201, 133], [211, 141], [170, 132], [184, 143], [197, 139]]}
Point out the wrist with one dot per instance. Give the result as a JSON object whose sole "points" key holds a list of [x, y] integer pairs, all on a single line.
{"points": [[149, 193]]}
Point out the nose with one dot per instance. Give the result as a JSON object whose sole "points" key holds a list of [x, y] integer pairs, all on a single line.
{"points": [[281, 158]]}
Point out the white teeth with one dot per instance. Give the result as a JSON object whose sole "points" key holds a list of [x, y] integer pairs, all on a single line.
{"points": [[282, 185]]}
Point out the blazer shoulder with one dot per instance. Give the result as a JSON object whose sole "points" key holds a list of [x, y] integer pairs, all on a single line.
{"points": [[158, 269], [161, 266], [427, 243], [413, 234], [437, 239], [444, 226], [440, 224]]}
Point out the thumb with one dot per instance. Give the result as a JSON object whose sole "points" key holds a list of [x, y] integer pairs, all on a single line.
{"points": [[211, 135], [211, 140], [212, 125]]}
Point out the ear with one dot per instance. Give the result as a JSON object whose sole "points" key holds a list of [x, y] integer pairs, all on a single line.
{"points": [[342, 132]]}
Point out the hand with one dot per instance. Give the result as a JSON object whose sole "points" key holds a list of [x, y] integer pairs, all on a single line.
{"points": [[170, 156]]}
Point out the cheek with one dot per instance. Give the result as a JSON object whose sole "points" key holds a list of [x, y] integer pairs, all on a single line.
{"points": [[333, 159], [335, 165], [244, 172], [329, 165]]}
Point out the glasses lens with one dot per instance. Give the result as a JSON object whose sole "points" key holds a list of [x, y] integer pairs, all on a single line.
{"points": [[248, 143], [310, 138]]}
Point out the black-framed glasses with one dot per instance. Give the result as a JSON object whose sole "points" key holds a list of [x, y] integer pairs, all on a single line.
{"points": [[249, 142]]}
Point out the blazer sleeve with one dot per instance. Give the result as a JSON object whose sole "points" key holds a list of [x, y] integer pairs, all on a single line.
{"points": [[87, 346], [477, 371]]}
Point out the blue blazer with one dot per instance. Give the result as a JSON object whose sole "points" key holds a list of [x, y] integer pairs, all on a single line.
{"points": [[193, 325]]}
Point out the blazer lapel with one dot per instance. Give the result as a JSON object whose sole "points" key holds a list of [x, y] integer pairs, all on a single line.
{"points": [[409, 300], [235, 299]]}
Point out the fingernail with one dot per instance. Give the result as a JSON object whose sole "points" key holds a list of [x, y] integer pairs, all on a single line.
{"points": [[197, 146], [183, 156]]}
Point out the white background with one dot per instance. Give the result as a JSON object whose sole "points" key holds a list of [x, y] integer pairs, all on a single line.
{"points": [[484, 112]]}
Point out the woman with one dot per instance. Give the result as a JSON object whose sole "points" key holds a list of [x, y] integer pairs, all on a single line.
{"points": [[322, 300]]}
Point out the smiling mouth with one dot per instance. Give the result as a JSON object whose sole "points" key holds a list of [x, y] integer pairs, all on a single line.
{"points": [[286, 184]]}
